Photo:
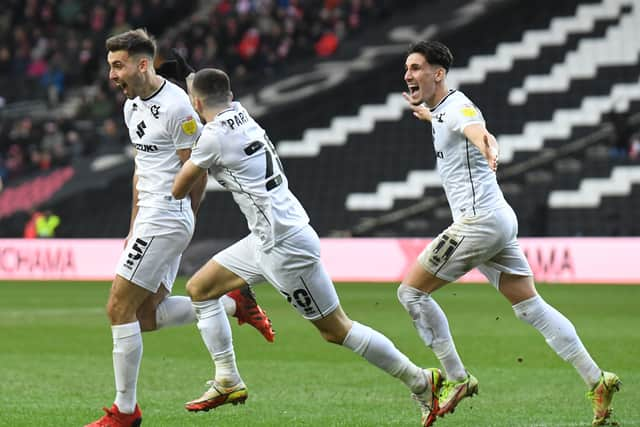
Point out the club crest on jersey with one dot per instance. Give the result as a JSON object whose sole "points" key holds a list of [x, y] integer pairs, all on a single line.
{"points": [[189, 125], [155, 111], [440, 117]]}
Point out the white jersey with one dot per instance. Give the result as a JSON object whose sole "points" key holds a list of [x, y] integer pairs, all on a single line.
{"points": [[158, 126], [469, 183], [242, 159]]}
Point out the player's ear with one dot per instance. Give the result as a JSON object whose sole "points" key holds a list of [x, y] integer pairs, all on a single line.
{"points": [[439, 74], [143, 64]]}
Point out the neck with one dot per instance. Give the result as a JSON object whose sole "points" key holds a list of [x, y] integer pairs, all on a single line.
{"points": [[210, 113], [151, 85], [440, 93]]}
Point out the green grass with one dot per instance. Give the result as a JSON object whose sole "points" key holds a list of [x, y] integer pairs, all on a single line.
{"points": [[55, 361]]}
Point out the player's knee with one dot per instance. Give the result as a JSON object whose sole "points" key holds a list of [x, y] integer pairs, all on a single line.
{"points": [[116, 312], [120, 311], [194, 291]]}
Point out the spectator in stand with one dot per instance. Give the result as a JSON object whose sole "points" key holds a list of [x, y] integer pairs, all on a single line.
{"points": [[57, 45], [46, 224], [30, 231], [74, 144]]}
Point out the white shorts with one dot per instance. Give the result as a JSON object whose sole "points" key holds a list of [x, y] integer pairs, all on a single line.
{"points": [[293, 267], [152, 255], [487, 241]]}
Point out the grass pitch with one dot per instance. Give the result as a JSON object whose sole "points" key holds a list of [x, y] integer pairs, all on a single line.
{"points": [[56, 369]]}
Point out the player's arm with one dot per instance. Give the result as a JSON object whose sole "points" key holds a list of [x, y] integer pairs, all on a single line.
{"points": [[134, 205], [479, 136], [196, 185], [177, 69], [187, 178]]}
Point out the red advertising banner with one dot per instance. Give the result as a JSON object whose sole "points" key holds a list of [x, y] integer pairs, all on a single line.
{"points": [[555, 260]]}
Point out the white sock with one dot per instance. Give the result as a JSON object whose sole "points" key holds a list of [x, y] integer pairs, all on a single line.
{"points": [[381, 352], [560, 335], [127, 353], [175, 311], [433, 328], [229, 305], [216, 333]]}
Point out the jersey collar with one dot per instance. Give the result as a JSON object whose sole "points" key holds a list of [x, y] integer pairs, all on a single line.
{"points": [[156, 92], [451, 91]]}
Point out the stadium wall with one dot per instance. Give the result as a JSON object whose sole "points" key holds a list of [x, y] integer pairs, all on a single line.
{"points": [[554, 260]]}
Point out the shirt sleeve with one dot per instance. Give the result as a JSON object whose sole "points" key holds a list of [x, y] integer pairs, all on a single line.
{"points": [[207, 150], [464, 115], [183, 125]]}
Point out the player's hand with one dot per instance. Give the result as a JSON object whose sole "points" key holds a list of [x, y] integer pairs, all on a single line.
{"points": [[184, 69], [491, 151], [421, 112], [177, 69]]}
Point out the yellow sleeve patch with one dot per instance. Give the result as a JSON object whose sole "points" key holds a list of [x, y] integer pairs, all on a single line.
{"points": [[189, 125], [469, 112]]}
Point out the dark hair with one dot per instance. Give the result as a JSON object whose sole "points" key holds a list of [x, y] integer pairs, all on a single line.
{"points": [[434, 52], [133, 41], [213, 86]]}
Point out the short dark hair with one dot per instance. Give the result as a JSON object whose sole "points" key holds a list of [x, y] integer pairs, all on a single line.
{"points": [[213, 86], [434, 52], [136, 41]]}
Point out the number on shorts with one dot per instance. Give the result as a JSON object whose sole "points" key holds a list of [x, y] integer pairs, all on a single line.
{"points": [[300, 298], [443, 250], [136, 252]]}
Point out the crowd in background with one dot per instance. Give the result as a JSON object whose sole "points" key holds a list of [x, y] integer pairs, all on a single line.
{"points": [[257, 37], [54, 49], [51, 50]]}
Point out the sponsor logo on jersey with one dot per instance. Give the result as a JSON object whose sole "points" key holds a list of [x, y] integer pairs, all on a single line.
{"points": [[469, 111], [189, 125], [146, 148]]}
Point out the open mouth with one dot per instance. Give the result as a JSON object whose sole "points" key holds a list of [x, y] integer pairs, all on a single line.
{"points": [[413, 89]]}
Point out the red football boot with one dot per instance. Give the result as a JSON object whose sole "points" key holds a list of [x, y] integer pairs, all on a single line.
{"points": [[114, 418], [248, 311]]}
